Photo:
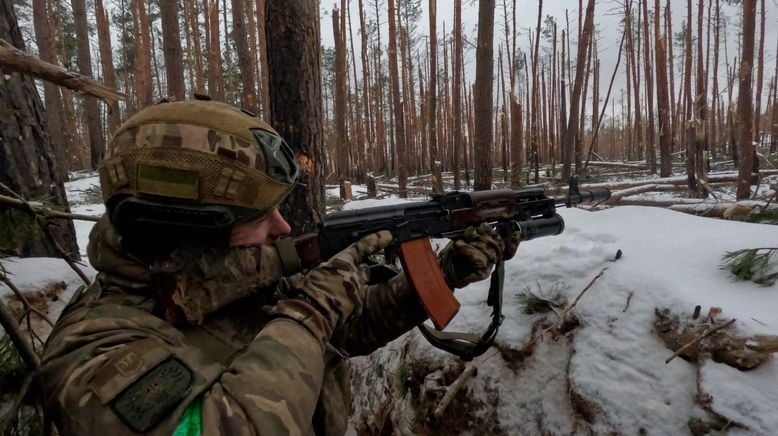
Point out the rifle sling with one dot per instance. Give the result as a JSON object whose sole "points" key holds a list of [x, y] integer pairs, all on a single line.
{"points": [[470, 345]]}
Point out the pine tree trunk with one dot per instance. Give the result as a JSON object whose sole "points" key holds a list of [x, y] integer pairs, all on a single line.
{"points": [[171, 47], [397, 102], [651, 145], [701, 111], [213, 46], [91, 111], [264, 92], [583, 46], [759, 78], [456, 94], [143, 56], [341, 139], [745, 105], [366, 100], [248, 86], [54, 107], [106, 60], [293, 50], [663, 100], [482, 99], [28, 164], [432, 104]]}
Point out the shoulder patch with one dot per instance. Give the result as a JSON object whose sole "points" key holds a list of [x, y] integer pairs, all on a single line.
{"points": [[127, 366], [152, 396]]}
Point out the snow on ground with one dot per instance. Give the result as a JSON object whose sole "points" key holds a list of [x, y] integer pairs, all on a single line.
{"points": [[670, 259], [614, 361]]}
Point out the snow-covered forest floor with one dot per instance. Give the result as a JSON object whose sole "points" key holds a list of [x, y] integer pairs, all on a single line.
{"points": [[606, 374]]}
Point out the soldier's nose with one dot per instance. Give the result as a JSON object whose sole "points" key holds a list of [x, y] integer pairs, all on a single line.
{"points": [[279, 227]]}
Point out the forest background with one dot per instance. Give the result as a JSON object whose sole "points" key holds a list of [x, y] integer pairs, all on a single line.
{"points": [[680, 95]]}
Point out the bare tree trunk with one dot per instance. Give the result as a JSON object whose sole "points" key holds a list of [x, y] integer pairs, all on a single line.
{"points": [[700, 109], [106, 60], [215, 76], [399, 117], [264, 92], [583, 46], [293, 50], [691, 146], [91, 111], [671, 75], [171, 47], [714, 132], [143, 56], [54, 107], [341, 138], [456, 93], [535, 106], [432, 94], [482, 98], [366, 102], [759, 77], [651, 145], [745, 105], [663, 99], [248, 85], [28, 164], [359, 145], [774, 129]]}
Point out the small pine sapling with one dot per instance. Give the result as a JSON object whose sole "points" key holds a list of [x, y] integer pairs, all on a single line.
{"points": [[753, 264], [541, 301]]}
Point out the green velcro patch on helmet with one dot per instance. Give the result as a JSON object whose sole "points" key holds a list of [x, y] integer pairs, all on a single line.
{"points": [[147, 401], [168, 182]]}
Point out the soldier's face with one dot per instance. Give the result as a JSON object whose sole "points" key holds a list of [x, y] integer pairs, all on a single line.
{"points": [[261, 231]]}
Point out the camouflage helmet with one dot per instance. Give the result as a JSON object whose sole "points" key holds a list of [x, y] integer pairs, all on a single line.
{"points": [[199, 164]]}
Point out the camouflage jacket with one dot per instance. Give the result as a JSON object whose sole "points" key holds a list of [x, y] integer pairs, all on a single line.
{"points": [[115, 363]]}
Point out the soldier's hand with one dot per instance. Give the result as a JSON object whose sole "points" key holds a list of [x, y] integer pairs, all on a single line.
{"points": [[472, 257], [334, 288]]}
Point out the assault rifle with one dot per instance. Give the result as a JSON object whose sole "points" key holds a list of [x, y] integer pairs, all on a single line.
{"points": [[528, 211]]}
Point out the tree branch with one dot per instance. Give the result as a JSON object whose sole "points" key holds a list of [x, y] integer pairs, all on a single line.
{"points": [[16, 60]]}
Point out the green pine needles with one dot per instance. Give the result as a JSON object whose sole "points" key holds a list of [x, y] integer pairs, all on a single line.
{"points": [[541, 300], [755, 264]]}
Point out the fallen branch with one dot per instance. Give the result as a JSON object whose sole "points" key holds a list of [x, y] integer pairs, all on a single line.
{"points": [[19, 61], [566, 310], [698, 339], [30, 209], [451, 391], [629, 298], [44, 211], [22, 346], [27, 306], [471, 370]]}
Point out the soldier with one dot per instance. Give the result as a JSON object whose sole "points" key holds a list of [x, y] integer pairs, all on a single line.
{"points": [[189, 327]]}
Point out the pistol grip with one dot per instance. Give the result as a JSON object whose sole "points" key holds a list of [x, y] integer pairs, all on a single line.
{"points": [[424, 275]]}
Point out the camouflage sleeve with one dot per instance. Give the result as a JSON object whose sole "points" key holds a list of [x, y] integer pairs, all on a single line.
{"points": [[389, 310], [111, 365]]}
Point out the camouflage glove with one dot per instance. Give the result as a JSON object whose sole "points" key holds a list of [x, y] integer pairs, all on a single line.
{"points": [[471, 258], [332, 291]]}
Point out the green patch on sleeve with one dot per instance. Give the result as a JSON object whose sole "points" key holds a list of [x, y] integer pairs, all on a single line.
{"points": [[192, 421]]}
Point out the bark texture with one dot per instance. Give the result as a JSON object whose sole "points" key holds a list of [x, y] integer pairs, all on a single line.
{"points": [[293, 49], [28, 164]]}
